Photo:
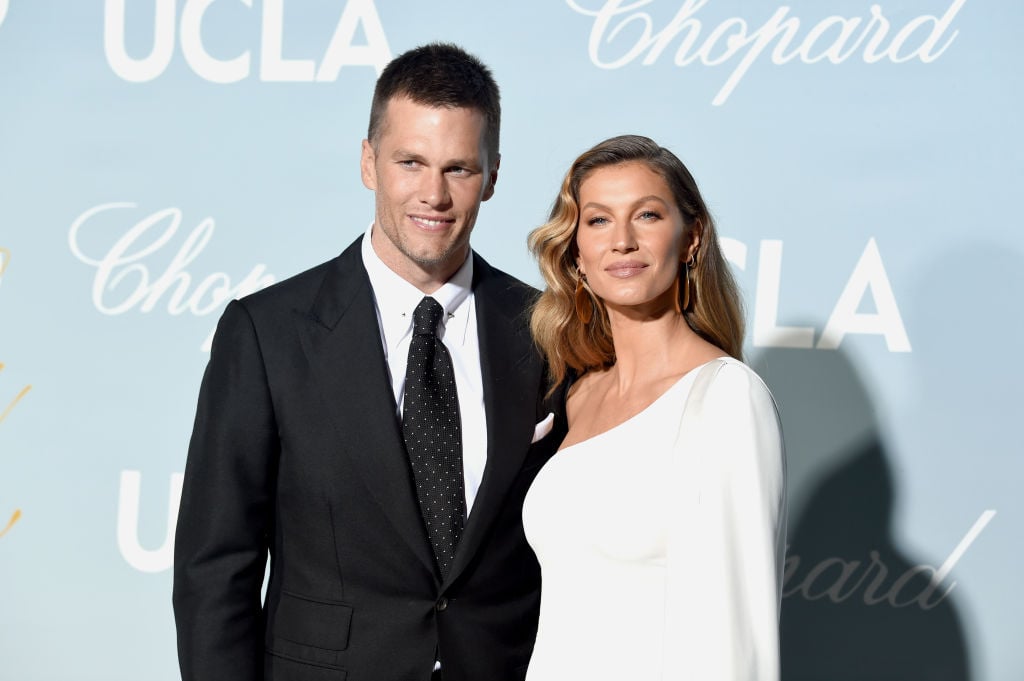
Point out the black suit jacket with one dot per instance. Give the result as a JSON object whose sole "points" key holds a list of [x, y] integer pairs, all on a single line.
{"points": [[297, 451]]}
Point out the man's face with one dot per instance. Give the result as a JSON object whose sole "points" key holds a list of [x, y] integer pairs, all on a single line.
{"points": [[430, 171]]}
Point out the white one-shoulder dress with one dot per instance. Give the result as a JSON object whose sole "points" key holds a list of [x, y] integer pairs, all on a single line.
{"points": [[661, 540]]}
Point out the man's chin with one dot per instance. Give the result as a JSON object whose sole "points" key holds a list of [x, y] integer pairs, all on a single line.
{"points": [[437, 260]]}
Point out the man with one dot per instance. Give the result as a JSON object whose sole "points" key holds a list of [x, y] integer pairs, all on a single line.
{"points": [[374, 424]]}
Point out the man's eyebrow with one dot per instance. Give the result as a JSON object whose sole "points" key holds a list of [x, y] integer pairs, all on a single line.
{"points": [[463, 163], [405, 153]]}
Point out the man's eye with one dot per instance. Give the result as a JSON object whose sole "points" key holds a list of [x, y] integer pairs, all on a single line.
{"points": [[456, 170]]}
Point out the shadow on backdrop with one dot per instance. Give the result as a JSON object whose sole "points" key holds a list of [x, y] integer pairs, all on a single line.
{"points": [[854, 606]]}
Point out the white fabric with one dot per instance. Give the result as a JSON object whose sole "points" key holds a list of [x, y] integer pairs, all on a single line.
{"points": [[395, 301], [661, 541]]}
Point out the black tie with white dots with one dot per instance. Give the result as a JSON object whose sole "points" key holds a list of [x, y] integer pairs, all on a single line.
{"points": [[432, 428]]}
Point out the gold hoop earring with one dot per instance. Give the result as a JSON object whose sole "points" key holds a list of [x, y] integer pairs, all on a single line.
{"points": [[675, 290], [689, 289], [685, 276], [584, 303]]}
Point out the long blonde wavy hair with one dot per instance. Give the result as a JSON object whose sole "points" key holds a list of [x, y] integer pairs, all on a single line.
{"points": [[715, 312]]}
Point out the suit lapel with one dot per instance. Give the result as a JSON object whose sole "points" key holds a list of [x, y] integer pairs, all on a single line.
{"points": [[342, 341], [511, 376]]}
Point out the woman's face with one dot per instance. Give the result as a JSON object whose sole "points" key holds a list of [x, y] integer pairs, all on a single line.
{"points": [[630, 236]]}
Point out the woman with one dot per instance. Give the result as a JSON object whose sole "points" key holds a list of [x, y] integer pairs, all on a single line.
{"points": [[660, 523]]}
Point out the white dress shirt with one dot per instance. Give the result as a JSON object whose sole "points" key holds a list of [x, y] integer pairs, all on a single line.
{"points": [[395, 300]]}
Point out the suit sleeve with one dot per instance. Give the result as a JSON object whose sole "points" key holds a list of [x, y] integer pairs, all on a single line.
{"points": [[224, 521], [727, 539]]}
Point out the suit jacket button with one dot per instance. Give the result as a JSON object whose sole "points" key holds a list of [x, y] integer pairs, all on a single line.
{"points": [[442, 604]]}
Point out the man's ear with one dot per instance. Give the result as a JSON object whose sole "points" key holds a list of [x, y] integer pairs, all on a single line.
{"points": [[368, 166], [492, 179]]}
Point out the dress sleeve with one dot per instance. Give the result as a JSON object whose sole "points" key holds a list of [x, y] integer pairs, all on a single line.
{"points": [[224, 521], [726, 540]]}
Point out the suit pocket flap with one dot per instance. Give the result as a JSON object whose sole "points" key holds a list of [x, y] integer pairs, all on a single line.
{"points": [[317, 623]]}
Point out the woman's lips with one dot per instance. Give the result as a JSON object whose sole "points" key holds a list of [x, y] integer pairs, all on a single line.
{"points": [[624, 270]]}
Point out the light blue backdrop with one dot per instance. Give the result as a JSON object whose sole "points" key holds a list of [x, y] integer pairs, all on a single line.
{"points": [[862, 159]]}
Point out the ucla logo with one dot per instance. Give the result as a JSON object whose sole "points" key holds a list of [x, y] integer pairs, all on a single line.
{"points": [[265, 60]]}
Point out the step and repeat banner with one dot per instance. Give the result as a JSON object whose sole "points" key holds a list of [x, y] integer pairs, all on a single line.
{"points": [[863, 161]]}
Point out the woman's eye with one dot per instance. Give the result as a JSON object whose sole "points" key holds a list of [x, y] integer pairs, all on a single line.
{"points": [[597, 221], [649, 215]]}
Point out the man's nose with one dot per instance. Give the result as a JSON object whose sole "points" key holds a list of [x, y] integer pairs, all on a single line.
{"points": [[434, 190]]}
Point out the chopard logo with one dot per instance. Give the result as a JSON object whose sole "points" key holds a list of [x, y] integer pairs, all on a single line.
{"points": [[124, 281], [871, 581], [623, 33]]}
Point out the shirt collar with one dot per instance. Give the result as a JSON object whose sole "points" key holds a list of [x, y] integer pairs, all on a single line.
{"points": [[397, 298]]}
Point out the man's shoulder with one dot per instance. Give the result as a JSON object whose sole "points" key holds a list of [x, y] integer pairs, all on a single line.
{"points": [[490, 281], [298, 286], [301, 290]]}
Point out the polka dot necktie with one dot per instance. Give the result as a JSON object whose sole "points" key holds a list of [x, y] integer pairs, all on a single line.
{"points": [[432, 428]]}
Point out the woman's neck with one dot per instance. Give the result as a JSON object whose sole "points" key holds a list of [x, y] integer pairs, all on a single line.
{"points": [[650, 346]]}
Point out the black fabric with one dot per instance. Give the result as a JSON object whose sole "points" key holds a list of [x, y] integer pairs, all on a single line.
{"points": [[432, 429], [296, 452]]}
